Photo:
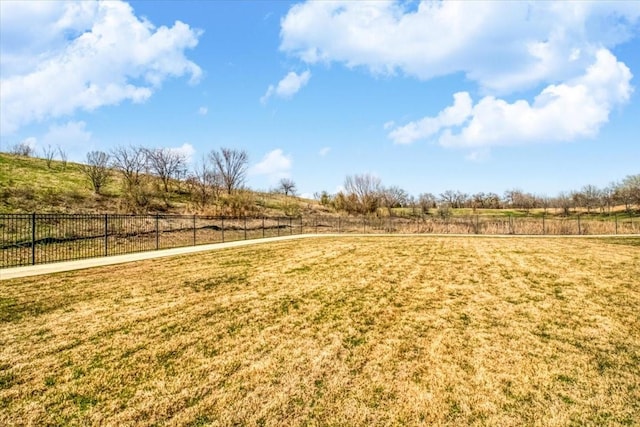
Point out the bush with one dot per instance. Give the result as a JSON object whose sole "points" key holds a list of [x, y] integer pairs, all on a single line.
{"points": [[444, 211], [23, 149]]}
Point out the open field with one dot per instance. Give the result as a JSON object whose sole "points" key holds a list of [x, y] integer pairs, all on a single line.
{"points": [[333, 331]]}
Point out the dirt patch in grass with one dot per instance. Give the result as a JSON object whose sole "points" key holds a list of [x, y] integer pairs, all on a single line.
{"points": [[332, 331]]}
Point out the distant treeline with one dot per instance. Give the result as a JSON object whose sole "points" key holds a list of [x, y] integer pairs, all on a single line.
{"points": [[219, 178], [365, 194]]}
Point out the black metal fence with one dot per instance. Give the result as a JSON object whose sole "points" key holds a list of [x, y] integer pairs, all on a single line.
{"points": [[29, 239]]}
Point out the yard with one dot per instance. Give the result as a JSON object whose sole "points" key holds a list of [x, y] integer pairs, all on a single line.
{"points": [[333, 331]]}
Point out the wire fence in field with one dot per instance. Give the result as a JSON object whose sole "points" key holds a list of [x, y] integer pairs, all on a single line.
{"points": [[477, 224], [29, 239]]}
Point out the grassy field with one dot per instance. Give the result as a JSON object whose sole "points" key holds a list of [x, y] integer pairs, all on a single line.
{"points": [[333, 331]]}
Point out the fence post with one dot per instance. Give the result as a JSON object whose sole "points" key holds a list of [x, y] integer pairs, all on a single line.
{"points": [[290, 226], [222, 218], [194, 229], [157, 233], [106, 234], [364, 225], [301, 225], [338, 225], [278, 227], [33, 238], [477, 224], [245, 227], [263, 226], [316, 221], [544, 230], [616, 217], [579, 229]]}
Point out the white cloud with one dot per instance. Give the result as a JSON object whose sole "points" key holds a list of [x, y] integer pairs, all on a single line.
{"points": [[288, 86], [503, 46], [324, 151], [61, 57], [186, 150], [72, 137], [69, 135], [562, 112], [203, 111], [451, 116], [478, 156], [274, 165]]}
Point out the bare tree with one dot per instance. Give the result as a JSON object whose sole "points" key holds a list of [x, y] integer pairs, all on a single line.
{"points": [[365, 192], [426, 201], [492, 201], [578, 199], [49, 153], [131, 162], [23, 149], [393, 197], [518, 199], [448, 197], [287, 186], [167, 164], [97, 169], [455, 199], [231, 165], [545, 202], [565, 202], [511, 198], [205, 183], [628, 191], [63, 156], [412, 202], [588, 197], [632, 183], [477, 201]]}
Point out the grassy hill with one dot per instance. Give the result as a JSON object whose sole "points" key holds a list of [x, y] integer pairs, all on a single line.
{"points": [[30, 185]]}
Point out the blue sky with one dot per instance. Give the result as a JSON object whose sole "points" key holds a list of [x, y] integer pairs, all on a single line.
{"points": [[428, 96]]}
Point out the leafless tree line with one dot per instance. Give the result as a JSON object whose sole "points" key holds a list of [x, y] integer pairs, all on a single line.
{"points": [[365, 195], [49, 152], [222, 171]]}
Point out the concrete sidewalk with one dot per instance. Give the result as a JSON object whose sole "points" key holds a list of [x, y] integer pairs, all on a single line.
{"points": [[57, 267]]}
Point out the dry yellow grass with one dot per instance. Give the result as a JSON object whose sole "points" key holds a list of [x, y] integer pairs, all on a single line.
{"points": [[333, 331]]}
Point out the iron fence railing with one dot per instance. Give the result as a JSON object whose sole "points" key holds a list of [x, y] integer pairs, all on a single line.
{"points": [[29, 239]]}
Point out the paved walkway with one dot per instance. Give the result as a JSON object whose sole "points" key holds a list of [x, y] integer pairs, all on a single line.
{"points": [[35, 270], [57, 267]]}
